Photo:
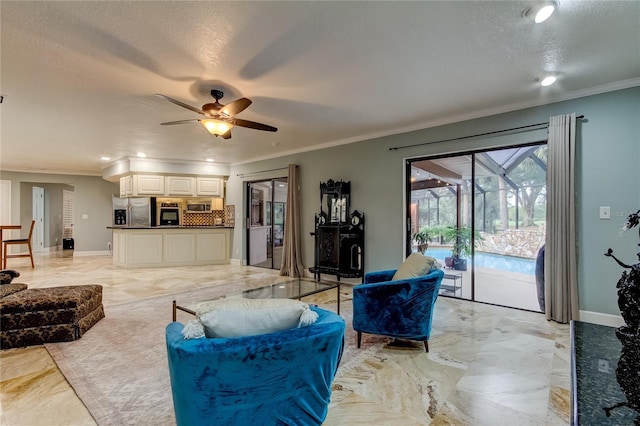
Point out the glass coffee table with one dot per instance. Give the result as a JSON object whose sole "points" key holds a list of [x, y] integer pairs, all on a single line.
{"points": [[288, 288]]}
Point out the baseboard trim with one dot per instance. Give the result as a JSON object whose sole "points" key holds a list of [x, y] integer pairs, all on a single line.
{"points": [[236, 262], [601, 319], [91, 253]]}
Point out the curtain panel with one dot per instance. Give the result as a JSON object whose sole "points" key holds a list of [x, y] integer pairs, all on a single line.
{"points": [[561, 283], [292, 245]]}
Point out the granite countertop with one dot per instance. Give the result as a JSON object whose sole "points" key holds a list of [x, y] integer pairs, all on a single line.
{"points": [[173, 227], [595, 377]]}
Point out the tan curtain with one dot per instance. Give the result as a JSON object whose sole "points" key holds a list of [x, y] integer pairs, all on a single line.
{"points": [[561, 283], [292, 246]]}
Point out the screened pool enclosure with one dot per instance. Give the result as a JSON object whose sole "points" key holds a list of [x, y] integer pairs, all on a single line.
{"points": [[485, 209]]}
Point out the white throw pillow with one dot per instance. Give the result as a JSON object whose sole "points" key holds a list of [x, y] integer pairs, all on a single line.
{"points": [[237, 317], [416, 265]]}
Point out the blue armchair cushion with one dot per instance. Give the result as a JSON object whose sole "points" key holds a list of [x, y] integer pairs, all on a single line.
{"points": [[278, 378], [397, 308]]}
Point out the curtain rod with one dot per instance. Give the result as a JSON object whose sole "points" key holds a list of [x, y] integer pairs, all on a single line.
{"points": [[261, 171], [520, 129]]}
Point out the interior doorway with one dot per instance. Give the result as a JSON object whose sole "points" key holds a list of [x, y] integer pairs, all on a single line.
{"points": [[267, 204], [37, 209], [5, 203], [482, 215]]}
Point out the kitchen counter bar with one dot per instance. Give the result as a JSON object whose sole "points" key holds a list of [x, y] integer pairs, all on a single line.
{"points": [[173, 227], [163, 246]]}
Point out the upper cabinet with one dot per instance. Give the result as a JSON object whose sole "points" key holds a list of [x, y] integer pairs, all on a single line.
{"points": [[126, 186], [148, 185], [172, 186], [207, 186], [180, 186]]}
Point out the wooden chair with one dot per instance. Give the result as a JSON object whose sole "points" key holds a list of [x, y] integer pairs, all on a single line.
{"points": [[26, 241]]}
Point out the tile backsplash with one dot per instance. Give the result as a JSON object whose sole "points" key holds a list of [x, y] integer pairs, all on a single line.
{"points": [[226, 216]]}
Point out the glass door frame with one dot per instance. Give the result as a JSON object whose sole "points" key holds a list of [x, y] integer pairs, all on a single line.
{"points": [[269, 215], [473, 191]]}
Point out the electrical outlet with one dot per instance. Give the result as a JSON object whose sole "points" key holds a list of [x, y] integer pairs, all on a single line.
{"points": [[605, 212], [603, 366]]}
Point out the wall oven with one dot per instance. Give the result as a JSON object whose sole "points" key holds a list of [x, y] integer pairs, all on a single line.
{"points": [[169, 214]]}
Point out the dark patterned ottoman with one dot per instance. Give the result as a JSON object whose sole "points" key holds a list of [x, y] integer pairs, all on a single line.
{"points": [[45, 315]]}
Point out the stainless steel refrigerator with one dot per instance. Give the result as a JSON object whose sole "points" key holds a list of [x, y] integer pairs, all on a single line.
{"points": [[134, 212]]}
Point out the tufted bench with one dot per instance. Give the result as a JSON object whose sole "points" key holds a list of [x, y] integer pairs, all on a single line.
{"points": [[45, 315]]}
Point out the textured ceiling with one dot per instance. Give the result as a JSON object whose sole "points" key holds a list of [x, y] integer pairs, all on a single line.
{"points": [[79, 78]]}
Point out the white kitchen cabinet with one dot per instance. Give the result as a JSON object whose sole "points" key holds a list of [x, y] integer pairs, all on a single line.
{"points": [[180, 186], [126, 186], [179, 247], [213, 247], [208, 186], [170, 186], [160, 247], [142, 249], [148, 185]]}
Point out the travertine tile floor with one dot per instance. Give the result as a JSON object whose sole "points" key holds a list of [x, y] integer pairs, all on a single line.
{"points": [[487, 365]]}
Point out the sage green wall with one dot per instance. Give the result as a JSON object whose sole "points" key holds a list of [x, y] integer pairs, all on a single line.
{"points": [[608, 159], [92, 196]]}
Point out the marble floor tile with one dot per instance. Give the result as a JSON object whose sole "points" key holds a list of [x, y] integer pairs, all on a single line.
{"points": [[487, 365]]}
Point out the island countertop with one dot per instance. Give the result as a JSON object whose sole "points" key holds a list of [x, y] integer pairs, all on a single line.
{"points": [[172, 227], [161, 246]]}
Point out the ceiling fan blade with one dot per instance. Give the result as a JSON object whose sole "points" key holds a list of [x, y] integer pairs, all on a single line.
{"points": [[180, 122], [226, 135], [182, 104], [252, 125], [235, 107]]}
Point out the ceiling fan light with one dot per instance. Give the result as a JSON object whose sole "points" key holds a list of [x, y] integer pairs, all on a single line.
{"points": [[217, 127]]}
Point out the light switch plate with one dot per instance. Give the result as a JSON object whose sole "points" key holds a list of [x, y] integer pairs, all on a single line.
{"points": [[605, 212]]}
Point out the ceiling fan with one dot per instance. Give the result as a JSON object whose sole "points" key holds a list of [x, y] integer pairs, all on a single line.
{"points": [[219, 118]]}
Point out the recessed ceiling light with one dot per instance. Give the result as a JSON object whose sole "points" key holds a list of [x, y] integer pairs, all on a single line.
{"points": [[540, 12], [548, 80], [141, 154], [210, 160], [105, 158]]}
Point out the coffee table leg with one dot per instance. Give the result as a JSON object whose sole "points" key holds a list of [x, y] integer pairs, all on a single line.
{"points": [[338, 290]]}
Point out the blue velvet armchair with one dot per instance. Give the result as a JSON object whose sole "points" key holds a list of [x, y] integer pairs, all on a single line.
{"points": [[401, 309], [281, 378]]}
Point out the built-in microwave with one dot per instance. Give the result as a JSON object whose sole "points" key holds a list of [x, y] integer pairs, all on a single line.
{"points": [[198, 207]]}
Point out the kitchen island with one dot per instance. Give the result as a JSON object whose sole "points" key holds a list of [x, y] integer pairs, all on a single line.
{"points": [[160, 246]]}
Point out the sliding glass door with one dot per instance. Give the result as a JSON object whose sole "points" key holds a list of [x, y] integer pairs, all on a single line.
{"points": [[482, 216], [267, 202]]}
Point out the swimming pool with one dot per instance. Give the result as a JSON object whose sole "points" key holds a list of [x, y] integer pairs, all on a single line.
{"points": [[494, 261]]}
